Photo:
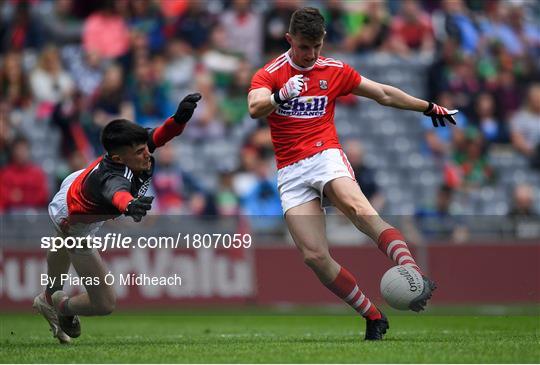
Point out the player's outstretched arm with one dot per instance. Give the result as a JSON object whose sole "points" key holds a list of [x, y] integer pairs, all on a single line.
{"points": [[174, 125], [392, 96]]}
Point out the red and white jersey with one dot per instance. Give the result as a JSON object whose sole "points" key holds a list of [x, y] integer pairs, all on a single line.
{"points": [[304, 125]]}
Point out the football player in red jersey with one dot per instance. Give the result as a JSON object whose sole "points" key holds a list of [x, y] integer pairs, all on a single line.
{"points": [[112, 185], [297, 92]]}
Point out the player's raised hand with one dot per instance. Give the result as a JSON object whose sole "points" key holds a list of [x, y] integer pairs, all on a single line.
{"points": [[138, 207], [291, 89], [438, 115], [186, 107]]}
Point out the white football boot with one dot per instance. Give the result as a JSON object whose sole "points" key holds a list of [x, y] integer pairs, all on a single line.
{"points": [[49, 313]]}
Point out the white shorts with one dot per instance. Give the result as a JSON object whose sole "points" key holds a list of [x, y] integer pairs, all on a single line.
{"points": [[304, 180], [58, 212]]}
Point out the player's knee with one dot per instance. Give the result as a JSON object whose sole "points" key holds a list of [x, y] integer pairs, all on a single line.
{"points": [[105, 306], [316, 259], [358, 208]]}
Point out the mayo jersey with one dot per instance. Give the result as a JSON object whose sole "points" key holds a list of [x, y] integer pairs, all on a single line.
{"points": [[304, 126]]}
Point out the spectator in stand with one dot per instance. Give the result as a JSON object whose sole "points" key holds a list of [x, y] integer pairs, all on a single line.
{"points": [[442, 206], [206, 124], [335, 16], [149, 95], [261, 203], [61, 27], [508, 95], [523, 202], [455, 21], [505, 24], [146, 18], [24, 184], [524, 217], [7, 132], [219, 60], [180, 67], [49, 82], [14, 85], [233, 106], [176, 191], [243, 30], [86, 68], [464, 84], [525, 127], [227, 202], [441, 220], [471, 161], [440, 70], [106, 32], [276, 24], [68, 116], [411, 28], [368, 27], [111, 100], [22, 29], [195, 25], [139, 50], [526, 31], [494, 130], [364, 175]]}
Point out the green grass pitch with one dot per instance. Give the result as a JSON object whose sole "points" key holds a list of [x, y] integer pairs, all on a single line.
{"points": [[274, 337]]}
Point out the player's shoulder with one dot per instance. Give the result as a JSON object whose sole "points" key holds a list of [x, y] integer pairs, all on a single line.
{"points": [[108, 168], [275, 64], [328, 62]]}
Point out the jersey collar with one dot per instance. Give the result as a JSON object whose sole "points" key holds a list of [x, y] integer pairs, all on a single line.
{"points": [[295, 66]]}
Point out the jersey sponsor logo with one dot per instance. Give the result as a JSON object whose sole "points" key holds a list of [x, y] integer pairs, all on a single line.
{"points": [[304, 107], [144, 187]]}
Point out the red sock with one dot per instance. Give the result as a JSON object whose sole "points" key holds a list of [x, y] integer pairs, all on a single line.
{"points": [[392, 244], [345, 287]]}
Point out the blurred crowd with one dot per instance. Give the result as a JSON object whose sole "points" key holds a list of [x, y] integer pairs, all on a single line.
{"points": [[72, 66]]}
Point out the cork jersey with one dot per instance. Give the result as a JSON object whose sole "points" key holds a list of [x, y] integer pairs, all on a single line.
{"points": [[304, 126]]}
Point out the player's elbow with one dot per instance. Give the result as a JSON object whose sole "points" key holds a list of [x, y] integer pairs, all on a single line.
{"points": [[384, 99], [384, 96], [254, 111]]}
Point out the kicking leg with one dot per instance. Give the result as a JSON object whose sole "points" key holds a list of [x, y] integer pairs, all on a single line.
{"points": [[307, 226], [347, 196]]}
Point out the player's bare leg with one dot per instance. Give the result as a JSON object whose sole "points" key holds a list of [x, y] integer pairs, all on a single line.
{"points": [[99, 299], [57, 264], [346, 195], [307, 227]]}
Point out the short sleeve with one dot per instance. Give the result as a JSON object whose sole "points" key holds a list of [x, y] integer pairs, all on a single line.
{"points": [[349, 80], [262, 79]]}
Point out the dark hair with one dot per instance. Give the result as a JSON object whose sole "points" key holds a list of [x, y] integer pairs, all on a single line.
{"points": [[308, 23], [122, 133]]}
